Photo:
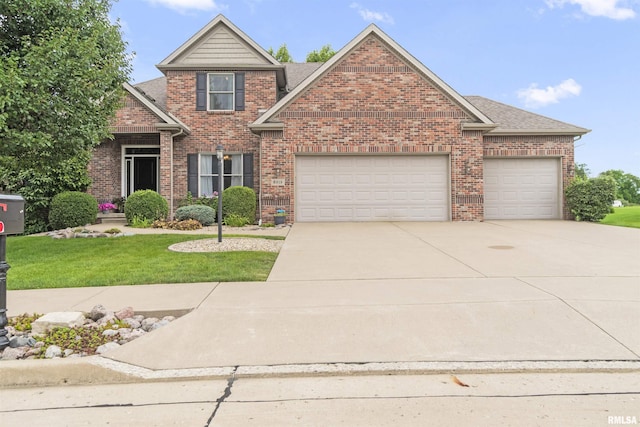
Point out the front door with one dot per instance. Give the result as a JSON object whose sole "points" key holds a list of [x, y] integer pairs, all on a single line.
{"points": [[141, 170]]}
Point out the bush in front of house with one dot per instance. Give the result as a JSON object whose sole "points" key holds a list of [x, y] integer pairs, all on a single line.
{"points": [[240, 201], [72, 209], [591, 199], [145, 205], [205, 215]]}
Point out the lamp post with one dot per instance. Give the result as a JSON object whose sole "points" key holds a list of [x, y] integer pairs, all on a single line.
{"points": [[220, 156]]}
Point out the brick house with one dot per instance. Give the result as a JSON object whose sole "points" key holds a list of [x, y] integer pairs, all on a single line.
{"points": [[370, 135]]}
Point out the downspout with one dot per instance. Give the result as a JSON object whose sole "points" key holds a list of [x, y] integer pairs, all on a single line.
{"points": [[173, 135]]}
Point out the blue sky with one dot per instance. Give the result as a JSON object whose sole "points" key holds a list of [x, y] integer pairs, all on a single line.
{"points": [[573, 60]]}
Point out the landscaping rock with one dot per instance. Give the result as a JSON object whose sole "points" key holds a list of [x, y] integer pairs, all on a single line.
{"points": [[148, 323], [63, 319], [22, 341], [97, 312], [125, 313], [133, 323], [106, 347], [10, 353], [52, 352]]}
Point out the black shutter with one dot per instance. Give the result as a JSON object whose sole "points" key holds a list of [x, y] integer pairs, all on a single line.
{"points": [[247, 170], [201, 91], [192, 174], [239, 91]]}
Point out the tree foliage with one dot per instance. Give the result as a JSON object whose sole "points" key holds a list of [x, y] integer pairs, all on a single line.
{"points": [[322, 55], [282, 55], [62, 65], [627, 185], [582, 171]]}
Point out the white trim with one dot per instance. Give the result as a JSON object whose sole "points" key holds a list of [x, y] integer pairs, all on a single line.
{"points": [[123, 165]]}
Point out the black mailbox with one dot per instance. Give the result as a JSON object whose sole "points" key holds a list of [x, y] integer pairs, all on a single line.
{"points": [[11, 214]]}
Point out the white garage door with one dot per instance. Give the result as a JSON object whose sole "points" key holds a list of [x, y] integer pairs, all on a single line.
{"points": [[372, 188], [521, 189]]}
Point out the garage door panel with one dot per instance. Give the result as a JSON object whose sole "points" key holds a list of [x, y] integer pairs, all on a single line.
{"points": [[522, 188], [370, 188]]}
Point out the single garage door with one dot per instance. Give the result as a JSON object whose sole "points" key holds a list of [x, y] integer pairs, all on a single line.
{"points": [[521, 188], [372, 188]]}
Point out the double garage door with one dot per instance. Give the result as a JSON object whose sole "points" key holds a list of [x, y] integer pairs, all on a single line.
{"points": [[372, 188], [416, 188]]}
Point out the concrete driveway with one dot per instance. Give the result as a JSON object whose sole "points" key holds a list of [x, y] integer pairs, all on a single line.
{"points": [[410, 250], [420, 292]]}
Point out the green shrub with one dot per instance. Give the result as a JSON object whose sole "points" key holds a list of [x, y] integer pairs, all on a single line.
{"points": [[205, 215], [235, 220], [72, 209], [591, 200], [240, 201], [145, 205]]}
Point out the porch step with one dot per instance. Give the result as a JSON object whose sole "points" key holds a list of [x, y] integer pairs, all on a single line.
{"points": [[110, 217]]}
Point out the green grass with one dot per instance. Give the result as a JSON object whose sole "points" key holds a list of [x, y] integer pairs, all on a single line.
{"points": [[628, 216], [42, 262]]}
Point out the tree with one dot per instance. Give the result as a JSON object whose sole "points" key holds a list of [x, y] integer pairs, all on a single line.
{"points": [[62, 66], [323, 55], [627, 185], [282, 55], [582, 171]]}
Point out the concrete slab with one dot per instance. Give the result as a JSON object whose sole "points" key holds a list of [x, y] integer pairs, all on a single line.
{"points": [[326, 251], [286, 329], [176, 403], [343, 251], [174, 298], [500, 399]]}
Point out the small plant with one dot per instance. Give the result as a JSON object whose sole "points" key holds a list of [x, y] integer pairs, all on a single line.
{"points": [[113, 231], [205, 215], [80, 340], [138, 222], [235, 220], [106, 206], [72, 209], [23, 322], [119, 202]]}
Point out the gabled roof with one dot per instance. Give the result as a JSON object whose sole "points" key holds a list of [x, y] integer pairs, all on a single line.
{"points": [[170, 121], [220, 45], [514, 121], [481, 121]]}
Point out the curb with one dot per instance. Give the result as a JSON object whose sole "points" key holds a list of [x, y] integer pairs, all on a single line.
{"points": [[101, 370]]}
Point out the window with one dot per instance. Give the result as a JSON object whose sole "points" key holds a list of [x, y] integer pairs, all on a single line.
{"points": [[202, 172], [209, 172], [221, 90]]}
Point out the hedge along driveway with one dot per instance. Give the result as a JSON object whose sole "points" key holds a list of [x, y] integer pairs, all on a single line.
{"points": [[42, 262]]}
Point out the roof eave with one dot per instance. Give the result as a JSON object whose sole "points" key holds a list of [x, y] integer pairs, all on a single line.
{"points": [[170, 120], [539, 132], [483, 127], [257, 128]]}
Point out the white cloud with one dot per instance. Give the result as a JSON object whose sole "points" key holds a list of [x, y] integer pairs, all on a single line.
{"points": [[184, 5], [535, 97], [371, 16], [607, 8]]}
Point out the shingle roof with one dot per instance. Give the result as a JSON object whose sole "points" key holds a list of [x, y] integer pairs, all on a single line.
{"points": [[155, 89], [512, 120], [298, 71]]}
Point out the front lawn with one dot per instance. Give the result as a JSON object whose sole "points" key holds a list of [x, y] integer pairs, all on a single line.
{"points": [[628, 216], [43, 262]]}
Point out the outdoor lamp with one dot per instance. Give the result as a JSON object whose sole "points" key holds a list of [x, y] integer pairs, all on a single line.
{"points": [[220, 156]]}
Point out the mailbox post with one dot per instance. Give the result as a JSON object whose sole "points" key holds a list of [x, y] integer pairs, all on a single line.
{"points": [[11, 222]]}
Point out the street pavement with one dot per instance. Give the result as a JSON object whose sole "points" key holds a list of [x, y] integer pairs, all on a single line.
{"points": [[504, 303]]}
